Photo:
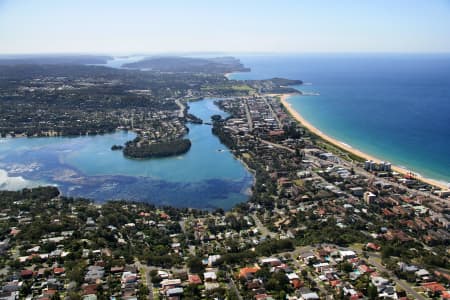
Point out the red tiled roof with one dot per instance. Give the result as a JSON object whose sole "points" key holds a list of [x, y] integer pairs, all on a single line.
{"points": [[446, 276], [49, 292], [365, 269], [296, 283], [250, 270], [14, 231], [373, 246], [276, 132], [445, 295], [117, 269], [194, 279], [434, 286], [334, 283], [58, 271], [26, 273], [89, 289]]}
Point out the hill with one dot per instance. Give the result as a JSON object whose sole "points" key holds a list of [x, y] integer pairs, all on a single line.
{"points": [[219, 65]]}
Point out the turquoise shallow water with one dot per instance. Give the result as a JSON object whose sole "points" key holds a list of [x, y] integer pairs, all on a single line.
{"points": [[395, 107], [202, 162], [85, 166]]}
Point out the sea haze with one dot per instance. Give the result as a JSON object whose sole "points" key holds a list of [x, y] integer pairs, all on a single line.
{"points": [[393, 106]]}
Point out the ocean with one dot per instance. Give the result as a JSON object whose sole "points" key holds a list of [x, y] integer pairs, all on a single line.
{"points": [[395, 107]]}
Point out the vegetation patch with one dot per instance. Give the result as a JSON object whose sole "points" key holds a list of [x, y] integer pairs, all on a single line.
{"points": [[134, 149]]}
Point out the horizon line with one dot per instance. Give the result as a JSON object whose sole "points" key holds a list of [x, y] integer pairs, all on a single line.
{"points": [[186, 53]]}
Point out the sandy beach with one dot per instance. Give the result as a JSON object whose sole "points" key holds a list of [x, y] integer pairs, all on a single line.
{"points": [[348, 148]]}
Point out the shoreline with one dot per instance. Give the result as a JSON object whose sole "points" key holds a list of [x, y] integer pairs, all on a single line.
{"points": [[297, 116]]}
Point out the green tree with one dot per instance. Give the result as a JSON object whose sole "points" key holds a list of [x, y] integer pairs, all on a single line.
{"points": [[372, 292], [195, 264]]}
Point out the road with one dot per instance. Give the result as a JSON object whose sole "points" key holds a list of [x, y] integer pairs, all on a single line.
{"points": [[273, 112], [249, 116], [149, 283], [294, 255], [191, 248], [232, 286], [182, 108], [277, 145], [404, 285], [371, 260], [364, 173], [263, 229], [360, 171], [398, 281]]}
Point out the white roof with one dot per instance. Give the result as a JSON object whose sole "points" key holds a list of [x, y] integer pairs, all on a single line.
{"points": [[422, 272], [210, 275], [269, 260], [319, 265], [170, 282], [292, 276], [347, 253], [174, 291], [310, 296], [163, 274]]}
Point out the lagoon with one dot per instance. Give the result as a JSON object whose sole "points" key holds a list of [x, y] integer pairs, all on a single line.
{"points": [[86, 166]]}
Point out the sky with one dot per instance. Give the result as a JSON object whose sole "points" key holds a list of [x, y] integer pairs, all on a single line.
{"points": [[254, 26]]}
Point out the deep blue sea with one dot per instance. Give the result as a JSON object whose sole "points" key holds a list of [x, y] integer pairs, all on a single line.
{"points": [[395, 107]]}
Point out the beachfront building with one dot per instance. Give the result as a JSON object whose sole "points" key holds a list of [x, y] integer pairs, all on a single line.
{"points": [[383, 166], [370, 165]]}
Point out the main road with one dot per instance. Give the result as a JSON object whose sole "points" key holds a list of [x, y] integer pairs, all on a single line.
{"points": [[149, 283], [182, 108], [249, 116], [397, 280]]}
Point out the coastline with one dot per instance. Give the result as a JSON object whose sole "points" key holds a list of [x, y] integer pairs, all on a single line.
{"points": [[348, 148]]}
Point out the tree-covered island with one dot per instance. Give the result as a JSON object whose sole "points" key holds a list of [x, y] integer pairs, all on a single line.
{"points": [[139, 149]]}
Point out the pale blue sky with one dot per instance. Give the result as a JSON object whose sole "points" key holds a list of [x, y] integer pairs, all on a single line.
{"points": [[108, 26]]}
